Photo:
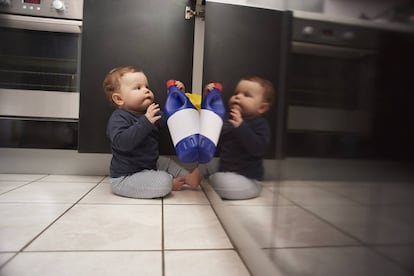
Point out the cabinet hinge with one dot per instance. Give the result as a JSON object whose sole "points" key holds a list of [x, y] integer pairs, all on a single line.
{"points": [[189, 13]]}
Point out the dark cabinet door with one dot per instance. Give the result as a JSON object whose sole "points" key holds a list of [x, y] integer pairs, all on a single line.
{"points": [[243, 41], [151, 35]]}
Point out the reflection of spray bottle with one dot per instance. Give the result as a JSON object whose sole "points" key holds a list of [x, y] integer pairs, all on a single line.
{"points": [[211, 120], [183, 123]]}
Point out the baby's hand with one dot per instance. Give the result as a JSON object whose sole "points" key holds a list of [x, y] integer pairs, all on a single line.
{"points": [[180, 85], [151, 113], [236, 118], [208, 88]]}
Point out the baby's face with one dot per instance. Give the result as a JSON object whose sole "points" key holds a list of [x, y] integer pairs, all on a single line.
{"points": [[248, 98], [134, 91]]}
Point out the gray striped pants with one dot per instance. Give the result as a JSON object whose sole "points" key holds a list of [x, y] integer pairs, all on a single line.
{"points": [[149, 183]]}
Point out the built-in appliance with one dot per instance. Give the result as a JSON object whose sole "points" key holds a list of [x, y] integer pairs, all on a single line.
{"points": [[39, 72], [331, 82]]}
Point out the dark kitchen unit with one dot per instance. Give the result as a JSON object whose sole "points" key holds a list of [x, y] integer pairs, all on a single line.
{"points": [[244, 41], [163, 47], [348, 92], [151, 35]]}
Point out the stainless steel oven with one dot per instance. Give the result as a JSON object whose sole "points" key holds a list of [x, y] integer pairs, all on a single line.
{"points": [[39, 72], [331, 83]]}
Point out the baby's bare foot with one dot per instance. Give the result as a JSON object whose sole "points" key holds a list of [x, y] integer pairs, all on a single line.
{"points": [[193, 179], [178, 183]]}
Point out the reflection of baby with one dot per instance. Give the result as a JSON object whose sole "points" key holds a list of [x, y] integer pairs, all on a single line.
{"points": [[244, 140]]}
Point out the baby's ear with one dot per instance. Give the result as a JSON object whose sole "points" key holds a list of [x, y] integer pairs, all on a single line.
{"points": [[117, 99], [264, 107]]}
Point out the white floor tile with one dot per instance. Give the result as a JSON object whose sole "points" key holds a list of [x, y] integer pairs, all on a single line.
{"points": [[21, 177], [7, 185], [72, 178], [368, 224], [313, 196], [186, 196], [50, 192], [369, 193], [102, 194], [193, 227], [288, 226], [4, 257], [104, 227], [204, 263], [85, 263], [345, 261], [20, 223]]}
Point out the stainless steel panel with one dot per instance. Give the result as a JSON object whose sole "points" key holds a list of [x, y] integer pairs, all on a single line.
{"points": [[45, 104], [40, 24]]}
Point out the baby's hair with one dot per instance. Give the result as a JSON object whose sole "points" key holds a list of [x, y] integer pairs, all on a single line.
{"points": [[268, 88], [111, 83]]}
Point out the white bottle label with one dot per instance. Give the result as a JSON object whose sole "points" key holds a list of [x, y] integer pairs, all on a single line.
{"points": [[183, 123], [210, 125]]}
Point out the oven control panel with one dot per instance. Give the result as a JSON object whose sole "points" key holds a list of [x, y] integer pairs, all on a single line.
{"points": [[65, 9], [337, 34]]}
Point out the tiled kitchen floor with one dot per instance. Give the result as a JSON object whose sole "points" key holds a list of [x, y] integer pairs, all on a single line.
{"points": [[73, 225]]}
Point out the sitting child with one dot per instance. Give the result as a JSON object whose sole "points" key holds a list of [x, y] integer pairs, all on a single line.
{"points": [[136, 168]]}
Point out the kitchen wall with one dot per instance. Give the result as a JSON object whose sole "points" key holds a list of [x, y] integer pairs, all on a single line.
{"points": [[354, 8], [335, 8]]}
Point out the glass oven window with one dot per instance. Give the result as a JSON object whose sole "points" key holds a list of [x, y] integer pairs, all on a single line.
{"points": [[36, 60], [324, 81]]}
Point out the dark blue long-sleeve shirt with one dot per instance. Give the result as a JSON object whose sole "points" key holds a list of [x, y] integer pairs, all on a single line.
{"points": [[134, 142], [242, 149]]}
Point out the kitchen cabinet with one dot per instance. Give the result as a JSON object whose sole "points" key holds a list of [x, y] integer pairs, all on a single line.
{"points": [[152, 35], [239, 41], [394, 112]]}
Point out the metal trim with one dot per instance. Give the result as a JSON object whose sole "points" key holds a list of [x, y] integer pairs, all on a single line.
{"points": [[40, 23]]}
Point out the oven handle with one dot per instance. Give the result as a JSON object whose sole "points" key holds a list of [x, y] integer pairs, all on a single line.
{"points": [[40, 23], [330, 51]]}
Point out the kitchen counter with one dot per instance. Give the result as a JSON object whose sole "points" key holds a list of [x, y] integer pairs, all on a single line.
{"points": [[384, 25]]}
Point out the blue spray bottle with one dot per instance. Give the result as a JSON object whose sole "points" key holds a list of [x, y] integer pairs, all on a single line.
{"points": [[183, 123], [211, 120]]}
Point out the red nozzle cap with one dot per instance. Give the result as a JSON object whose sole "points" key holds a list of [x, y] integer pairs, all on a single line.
{"points": [[170, 83], [218, 86]]}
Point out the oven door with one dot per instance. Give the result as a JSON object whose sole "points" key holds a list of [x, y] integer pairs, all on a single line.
{"points": [[39, 81], [330, 101]]}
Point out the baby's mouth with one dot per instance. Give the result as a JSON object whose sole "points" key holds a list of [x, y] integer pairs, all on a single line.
{"points": [[236, 106]]}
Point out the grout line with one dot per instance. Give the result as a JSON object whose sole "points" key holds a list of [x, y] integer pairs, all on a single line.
{"points": [[244, 245], [48, 226], [88, 250], [360, 243], [202, 249], [349, 235], [61, 215], [18, 187]]}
